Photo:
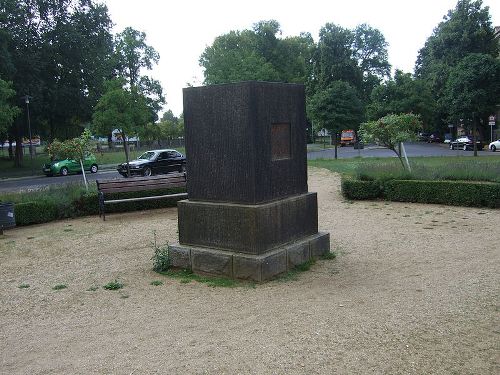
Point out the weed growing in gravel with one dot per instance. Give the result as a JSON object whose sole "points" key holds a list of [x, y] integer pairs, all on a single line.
{"points": [[156, 282], [161, 256], [113, 285], [59, 287], [92, 289], [24, 286]]}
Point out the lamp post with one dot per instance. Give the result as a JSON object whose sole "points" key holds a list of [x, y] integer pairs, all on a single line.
{"points": [[27, 101]]}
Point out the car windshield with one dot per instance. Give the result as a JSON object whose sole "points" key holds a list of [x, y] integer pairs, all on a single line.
{"points": [[147, 155]]}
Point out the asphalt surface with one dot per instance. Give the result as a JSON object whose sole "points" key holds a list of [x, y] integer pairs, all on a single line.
{"points": [[108, 171]]}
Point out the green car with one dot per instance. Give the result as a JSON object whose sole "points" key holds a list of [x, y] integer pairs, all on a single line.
{"points": [[67, 166]]}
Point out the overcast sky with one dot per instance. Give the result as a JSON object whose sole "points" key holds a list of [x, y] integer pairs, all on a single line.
{"points": [[181, 29]]}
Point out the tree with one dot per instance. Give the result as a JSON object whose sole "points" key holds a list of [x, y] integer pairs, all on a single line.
{"points": [[7, 111], [403, 94], [75, 149], [336, 108], [120, 108], [391, 131], [473, 89], [466, 29], [333, 59], [257, 54], [133, 54]]}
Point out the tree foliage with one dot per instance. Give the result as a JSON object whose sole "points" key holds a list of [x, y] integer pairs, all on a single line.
{"points": [[336, 108], [465, 30], [391, 130], [402, 94], [473, 87], [8, 112]]}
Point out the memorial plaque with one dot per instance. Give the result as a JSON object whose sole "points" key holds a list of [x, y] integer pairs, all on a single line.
{"points": [[280, 141]]}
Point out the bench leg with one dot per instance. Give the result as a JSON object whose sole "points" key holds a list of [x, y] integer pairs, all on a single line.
{"points": [[101, 206]]}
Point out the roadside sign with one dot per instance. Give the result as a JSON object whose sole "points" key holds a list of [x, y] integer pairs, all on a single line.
{"points": [[451, 126], [491, 123], [492, 118]]}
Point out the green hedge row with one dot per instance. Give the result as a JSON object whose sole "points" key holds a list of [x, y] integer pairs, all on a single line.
{"points": [[43, 211], [358, 189], [455, 193]]}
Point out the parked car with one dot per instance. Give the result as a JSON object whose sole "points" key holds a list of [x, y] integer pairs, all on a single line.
{"points": [[155, 162], [423, 137], [465, 143], [434, 138], [66, 166], [448, 138], [495, 145]]}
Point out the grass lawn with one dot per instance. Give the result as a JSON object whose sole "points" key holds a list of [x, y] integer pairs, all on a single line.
{"points": [[488, 166]]}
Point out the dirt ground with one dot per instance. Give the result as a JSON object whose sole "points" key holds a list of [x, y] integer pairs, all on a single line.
{"points": [[414, 290]]}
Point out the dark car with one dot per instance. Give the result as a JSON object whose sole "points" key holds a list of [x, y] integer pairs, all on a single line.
{"points": [[434, 138], [155, 162], [465, 143]]}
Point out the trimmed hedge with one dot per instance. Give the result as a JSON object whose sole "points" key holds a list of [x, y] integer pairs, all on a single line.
{"points": [[43, 211], [455, 193], [358, 189]]}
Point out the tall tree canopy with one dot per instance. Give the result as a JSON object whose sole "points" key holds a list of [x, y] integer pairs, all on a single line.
{"points": [[465, 30], [402, 94], [59, 53], [133, 54], [257, 54]]}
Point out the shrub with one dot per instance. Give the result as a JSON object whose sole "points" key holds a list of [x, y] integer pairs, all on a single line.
{"points": [[357, 189], [35, 212], [457, 193], [161, 256]]}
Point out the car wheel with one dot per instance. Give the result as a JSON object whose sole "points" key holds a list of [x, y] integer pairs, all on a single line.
{"points": [[94, 168], [146, 172], [493, 148], [64, 171]]}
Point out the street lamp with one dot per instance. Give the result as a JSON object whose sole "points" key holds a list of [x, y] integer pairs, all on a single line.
{"points": [[27, 101]]}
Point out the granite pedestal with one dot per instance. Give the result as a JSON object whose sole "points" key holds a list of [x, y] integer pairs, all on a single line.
{"points": [[249, 213]]}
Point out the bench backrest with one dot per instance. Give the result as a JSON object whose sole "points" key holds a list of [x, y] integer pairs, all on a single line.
{"points": [[142, 183]]}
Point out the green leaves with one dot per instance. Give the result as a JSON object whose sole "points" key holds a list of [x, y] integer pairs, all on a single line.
{"points": [[7, 111], [392, 129]]}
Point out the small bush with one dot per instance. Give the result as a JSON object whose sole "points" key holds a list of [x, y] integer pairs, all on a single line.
{"points": [[161, 256], [357, 189], [113, 285], [35, 212]]}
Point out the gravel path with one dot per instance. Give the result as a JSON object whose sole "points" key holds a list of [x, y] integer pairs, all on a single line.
{"points": [[414, 290]]}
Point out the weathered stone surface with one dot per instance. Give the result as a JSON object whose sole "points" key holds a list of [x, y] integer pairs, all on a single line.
{"points": [[298, 253], [213, 262], [247, 268], [180, 257], [274, 264], [320, 245], [265, 125], [251, 229]]}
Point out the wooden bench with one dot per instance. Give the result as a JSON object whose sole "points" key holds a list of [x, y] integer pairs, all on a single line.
{"points": [[137, 184]]}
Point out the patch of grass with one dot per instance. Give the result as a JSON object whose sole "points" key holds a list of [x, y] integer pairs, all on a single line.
{"points": [[113, 285], [329, 256], [187, 276], [293, 274], [156, 282], [59, 287], [67, 230], [92, 289], [24, 286]]}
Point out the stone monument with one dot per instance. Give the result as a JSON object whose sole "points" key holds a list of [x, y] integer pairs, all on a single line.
{"points": [[249, 214]]}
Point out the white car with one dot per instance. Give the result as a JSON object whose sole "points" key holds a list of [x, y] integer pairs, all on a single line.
{"points": [[494, 145]]}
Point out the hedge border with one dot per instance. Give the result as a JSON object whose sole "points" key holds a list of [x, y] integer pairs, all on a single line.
{"points": [[453, 193]]}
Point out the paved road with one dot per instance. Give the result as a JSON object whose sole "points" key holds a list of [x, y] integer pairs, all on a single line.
{"points": [[412, 149]]}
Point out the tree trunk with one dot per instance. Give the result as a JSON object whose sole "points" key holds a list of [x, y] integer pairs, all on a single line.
{"points": [[84, 176], [11, 151], [474, 134]]}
